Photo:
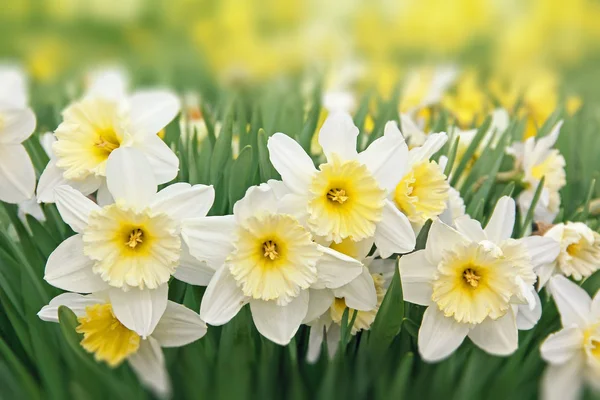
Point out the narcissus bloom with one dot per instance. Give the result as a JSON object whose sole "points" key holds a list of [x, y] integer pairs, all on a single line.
{"points": [[474, 282], [573, 352], [538, 159], [347, 196], [102, 122], [17, 123], [112, 342], [266, 258], [579, 255], [132, 247]]}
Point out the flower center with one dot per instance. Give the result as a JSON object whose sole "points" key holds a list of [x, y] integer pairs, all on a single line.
{"points": [[135, 238], [105, 336], [573, 249], [107, 142], [270, 250], [337, 195], [471, 277]]}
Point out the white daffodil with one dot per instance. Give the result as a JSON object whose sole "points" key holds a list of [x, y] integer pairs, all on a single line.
{"points": [[475, 283], [132, 247], [266, 258], [17, 123], [538, 159], [425, 86], [412, 131], [347, 196], [421, 190], [105, 336], [363, 294], [579, 255], [573, 352], [104, 120]]}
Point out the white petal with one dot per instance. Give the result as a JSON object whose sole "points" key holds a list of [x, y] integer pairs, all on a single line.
{"points": [[191, 270], [417, 275], [573, 303], [432, 145], [52, 177], [542, 250], [222, 300], [76, 303], [315, 342], [561, 346], [17, 125], [387, 158], [279, 323], [152, 110], [130, 178], [178, 326], [13, 82], [256, 200], [335, 269], [501, 223], [108, 83], [148, 363], [162, 160], [17, 176], [319, 302], [209, 238], [544, 273], [394, 234], [441, 237], [74, 207], [526, 316], [360, 294], [69, 269], [563, 382], [595, 307], [182, 200], [279, 188], [499, 337], [140, 309], [333, 336], [471, 228], [291, 161], [338, 136], [103, 197], [439, 336]]}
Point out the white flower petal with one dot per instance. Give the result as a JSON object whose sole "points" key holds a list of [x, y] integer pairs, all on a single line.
{"points": [[279, 323], [178, 326], [182, 200], [74, 301], [360, 293], [387, 158], [152, 110], [315, 341], [52, 177], [69, 269], [439, 336], [222, 300], [162, 160], [335, 269], [291, 161], [338, 136], [394, 233], [148, 363], [563, 382], [573, 303], [417, 275], [526, 316], [256, 200], [17, 125], [502, 221], [17, 176], [130, 177], [499, 337], [74, 207], [595, 307], [544, 273], [471, 228], [210, 238], [432, 145], [560, 347], [139, 309], [103, 197], [542, 250], [319, 302], [13, 82], [191, 270], [441, 237], [108, 83]]}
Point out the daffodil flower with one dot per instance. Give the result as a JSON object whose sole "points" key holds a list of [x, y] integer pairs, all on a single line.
{"points": [[573, 353], [475, 282], [105, 336], [266, 258], [347, 196], [132, 247], [538, 159], [579, 255], [17, 123], [103, 121]]}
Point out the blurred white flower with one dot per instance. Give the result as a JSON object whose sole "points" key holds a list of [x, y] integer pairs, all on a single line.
{"points": [[111, 341], [267, 258], [573, 353], [132, 247]]}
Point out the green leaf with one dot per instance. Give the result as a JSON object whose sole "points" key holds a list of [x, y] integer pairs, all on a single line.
{"points": [[241, 174], [481, 132], [529, 216], [388, 321], [222, 151], [264, 163]]}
